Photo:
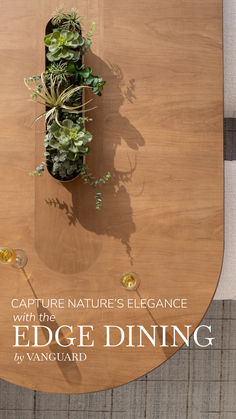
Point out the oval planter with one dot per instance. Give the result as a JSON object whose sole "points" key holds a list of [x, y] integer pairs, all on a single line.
{"points": [[49, 28], [60, 88]]}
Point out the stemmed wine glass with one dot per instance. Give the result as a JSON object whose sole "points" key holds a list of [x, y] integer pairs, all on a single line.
{"points": [[16, 258]]}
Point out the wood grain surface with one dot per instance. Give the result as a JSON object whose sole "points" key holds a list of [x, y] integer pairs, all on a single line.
{"points": [[158, 130]]}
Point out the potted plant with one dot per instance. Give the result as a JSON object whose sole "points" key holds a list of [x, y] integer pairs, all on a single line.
{"points": [[60, 89]]}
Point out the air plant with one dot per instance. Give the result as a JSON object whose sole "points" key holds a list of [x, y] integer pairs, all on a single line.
{"points": [[56, 101], [59, 73], [68, 21]]}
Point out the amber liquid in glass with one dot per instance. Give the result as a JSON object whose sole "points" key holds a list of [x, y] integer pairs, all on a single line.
{"points": [[7, 256], [128, 281]]}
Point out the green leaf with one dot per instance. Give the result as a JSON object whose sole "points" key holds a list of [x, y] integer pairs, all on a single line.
{"points": [[71, 68], [85, 73]]}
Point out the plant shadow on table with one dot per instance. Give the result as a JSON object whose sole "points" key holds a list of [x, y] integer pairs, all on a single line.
{"points": [[112, 133], [69, 368]]}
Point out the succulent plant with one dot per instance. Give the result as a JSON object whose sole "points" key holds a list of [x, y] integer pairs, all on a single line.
{"points": [[66, 145], [62, 44], [70, 138], [72, 22], [62, 167]]}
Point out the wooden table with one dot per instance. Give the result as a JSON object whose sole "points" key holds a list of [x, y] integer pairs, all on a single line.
{"points": [[158, 130]]}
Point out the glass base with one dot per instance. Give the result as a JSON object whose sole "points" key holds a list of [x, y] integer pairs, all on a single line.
{"points": [[21, 259]]}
